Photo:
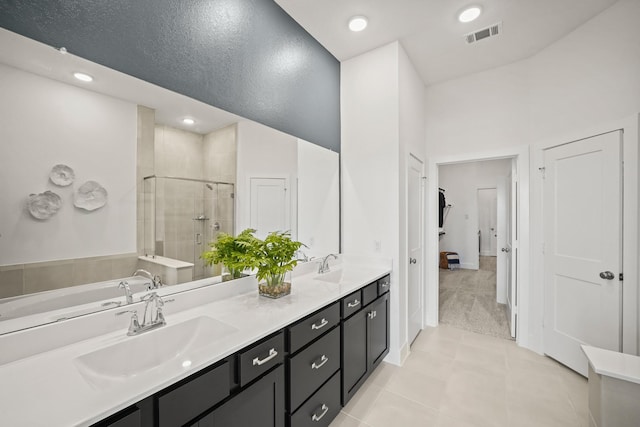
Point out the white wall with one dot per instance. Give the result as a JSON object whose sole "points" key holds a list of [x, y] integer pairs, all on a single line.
{"points": [[461, 182], [264, 153], [589, 77], [412, 134], [318, 199], [45, 123], [370, 167], [178, 153], [382, 122]]}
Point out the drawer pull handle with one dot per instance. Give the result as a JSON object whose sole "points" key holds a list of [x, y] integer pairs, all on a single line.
{"points": [[324, 359], [355, 303], [272, 353], [322, 324], [324, 410]]}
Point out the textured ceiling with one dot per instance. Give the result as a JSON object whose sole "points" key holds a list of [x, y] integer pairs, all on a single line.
{"points": [[432, 36]]}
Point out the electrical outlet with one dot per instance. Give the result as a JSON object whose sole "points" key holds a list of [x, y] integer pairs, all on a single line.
{"points": [[377, 245]]}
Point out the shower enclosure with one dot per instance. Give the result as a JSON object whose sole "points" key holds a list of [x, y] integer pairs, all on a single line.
{"points": [[183, 215]]}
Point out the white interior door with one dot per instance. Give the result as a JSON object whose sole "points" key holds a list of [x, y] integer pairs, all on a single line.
{"points": [[512, 249], [582, 245], [415, 214], [502, 260], [487, 221], [270, 208], [507, 249]]}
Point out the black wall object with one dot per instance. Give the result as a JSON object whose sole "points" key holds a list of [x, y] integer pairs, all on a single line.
{"points": [[245, 56]]}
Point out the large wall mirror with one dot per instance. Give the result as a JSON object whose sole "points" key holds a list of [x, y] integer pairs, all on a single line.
{"points": [[99, 179]]}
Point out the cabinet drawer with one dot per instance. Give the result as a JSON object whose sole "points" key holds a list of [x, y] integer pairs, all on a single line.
{"points": [[351, 304], [260, 358], [384, 284], [310, 368], [369, 293], [308, 329], [193, 397], [321, 408]]}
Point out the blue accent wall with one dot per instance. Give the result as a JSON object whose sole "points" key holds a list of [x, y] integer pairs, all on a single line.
{"points": [[248, 57]]}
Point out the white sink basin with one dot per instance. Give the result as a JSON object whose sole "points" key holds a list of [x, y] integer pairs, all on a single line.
{"points": [[340, 276], [147, 351]]}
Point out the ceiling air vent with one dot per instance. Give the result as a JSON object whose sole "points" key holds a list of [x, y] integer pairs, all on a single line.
{"points": [[484, 33]]}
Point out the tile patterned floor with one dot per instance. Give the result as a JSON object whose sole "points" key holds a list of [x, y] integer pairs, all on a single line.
{"points": [[457, 378], [468, 300]]}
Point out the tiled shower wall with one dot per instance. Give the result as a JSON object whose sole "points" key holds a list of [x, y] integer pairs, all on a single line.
{"points": [[173, 204]]}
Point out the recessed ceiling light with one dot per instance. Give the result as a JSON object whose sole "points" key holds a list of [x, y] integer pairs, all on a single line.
{"points": [[188, 121], [358, 23], [469, 14], [83, 77]]}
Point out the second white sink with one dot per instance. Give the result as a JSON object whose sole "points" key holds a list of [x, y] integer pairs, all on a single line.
{"points": [[149, 350], [340, 276]]}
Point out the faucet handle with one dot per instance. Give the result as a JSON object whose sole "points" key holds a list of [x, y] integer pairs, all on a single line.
{"points": [[134, 325], [157, 281]]}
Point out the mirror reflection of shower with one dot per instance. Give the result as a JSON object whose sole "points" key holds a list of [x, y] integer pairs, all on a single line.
{"points": [[183, 215]]}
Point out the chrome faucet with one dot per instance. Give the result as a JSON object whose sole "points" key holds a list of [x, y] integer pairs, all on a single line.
{"points": [[151, 319], [302, 257], [324, 264], [156, 281], [127, 291]]}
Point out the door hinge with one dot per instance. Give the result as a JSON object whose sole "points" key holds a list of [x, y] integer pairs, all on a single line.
{"points": [[543, 171], [621, 277]]}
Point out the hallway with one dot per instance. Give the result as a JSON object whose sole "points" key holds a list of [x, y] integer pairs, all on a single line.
{"points": [[468, 300]]}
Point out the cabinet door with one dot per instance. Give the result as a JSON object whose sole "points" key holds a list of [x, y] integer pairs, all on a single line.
{"points": [[354, 353], [260, 405], [378, 328]]}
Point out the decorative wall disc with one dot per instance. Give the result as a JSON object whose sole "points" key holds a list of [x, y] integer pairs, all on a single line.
{"points": [[90, 196], [62, 175], [44, 205]]}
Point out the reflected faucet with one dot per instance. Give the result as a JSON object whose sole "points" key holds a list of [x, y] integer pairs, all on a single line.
{"points": [[127, 291], [324, 264], [156, 281]]}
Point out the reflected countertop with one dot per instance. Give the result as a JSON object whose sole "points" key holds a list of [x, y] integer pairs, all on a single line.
{"points": [[48, 389]]}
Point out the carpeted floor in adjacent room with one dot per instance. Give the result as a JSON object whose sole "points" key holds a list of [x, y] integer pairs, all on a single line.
{"points": [[468, 300]]}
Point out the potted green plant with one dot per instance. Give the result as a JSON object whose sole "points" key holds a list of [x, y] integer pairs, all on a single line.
{"points": [[275, 259], [234, 253]]}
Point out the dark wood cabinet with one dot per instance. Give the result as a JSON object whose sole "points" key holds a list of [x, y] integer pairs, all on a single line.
{"points": [[321, 408], [191, 397], [365, 340], [312, 367], [130, 417], [354, 354], [378, 331], [259, 405]]}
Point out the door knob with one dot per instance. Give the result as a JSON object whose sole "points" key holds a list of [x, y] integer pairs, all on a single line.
{"points": [[412, 260], [607, 275], [507, 250]]}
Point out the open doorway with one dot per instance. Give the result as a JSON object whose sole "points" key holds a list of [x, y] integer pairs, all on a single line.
{"points": [[472, 246]]}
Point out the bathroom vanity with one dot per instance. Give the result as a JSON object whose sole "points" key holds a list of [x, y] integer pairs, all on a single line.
{"points": [[232, 359]]}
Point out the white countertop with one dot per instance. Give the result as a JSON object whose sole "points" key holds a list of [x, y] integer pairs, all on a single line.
{"points": [[47, 389], [614, 364]]}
